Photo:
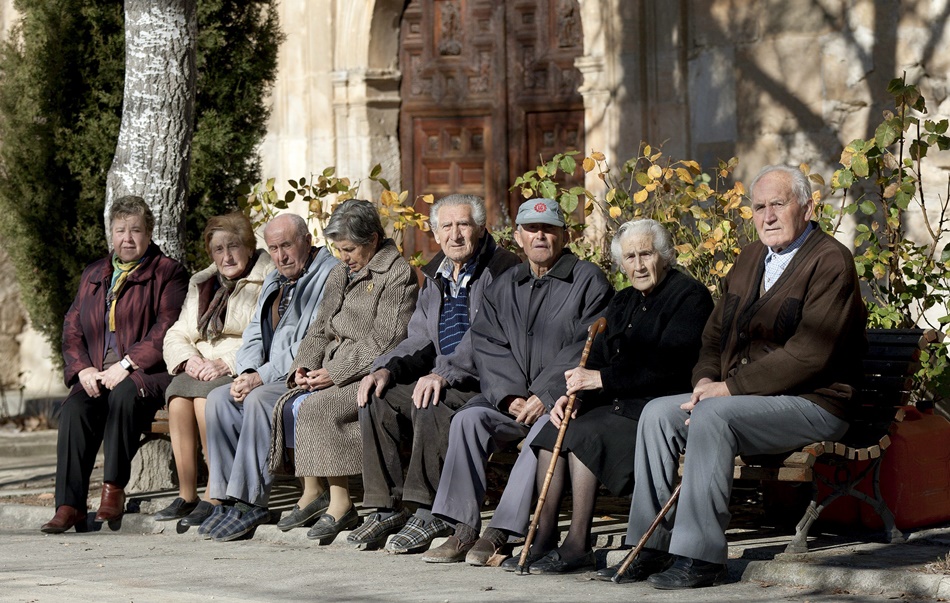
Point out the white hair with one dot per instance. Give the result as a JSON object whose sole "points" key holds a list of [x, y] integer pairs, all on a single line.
{"points": [[662, 239], [475, 202], [801, 187]]}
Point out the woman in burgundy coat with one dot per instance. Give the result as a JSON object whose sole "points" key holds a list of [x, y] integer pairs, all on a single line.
{"points": [[112, 351]]}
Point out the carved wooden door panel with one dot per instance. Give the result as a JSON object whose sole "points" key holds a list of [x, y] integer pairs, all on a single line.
{"points": [[453, 103], [545, 110], [488, 86]]}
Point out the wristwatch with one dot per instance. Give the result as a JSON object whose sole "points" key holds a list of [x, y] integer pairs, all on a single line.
{"points": [[126, 364]]}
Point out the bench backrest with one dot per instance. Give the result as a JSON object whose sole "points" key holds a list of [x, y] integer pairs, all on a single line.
{"points": [[889, 367]]}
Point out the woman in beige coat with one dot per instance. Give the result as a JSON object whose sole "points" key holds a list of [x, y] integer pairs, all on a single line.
{"points": [[364, 313], [200, 348]]}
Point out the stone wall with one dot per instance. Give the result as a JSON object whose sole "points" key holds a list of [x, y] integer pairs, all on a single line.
{"points": [[770, 81], [792, 80], [335, 101], [27, 368], [11, 314]]}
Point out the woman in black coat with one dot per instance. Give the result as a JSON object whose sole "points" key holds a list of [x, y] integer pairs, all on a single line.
{"points": [[648, 350]]}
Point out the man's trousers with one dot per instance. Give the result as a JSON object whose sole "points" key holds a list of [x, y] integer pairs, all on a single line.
{"points": [[718, 430], [476, 432], [238, 442]]}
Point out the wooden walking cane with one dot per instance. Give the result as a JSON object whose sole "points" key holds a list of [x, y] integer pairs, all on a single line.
{"points": [[646, 535], [593, 331]]}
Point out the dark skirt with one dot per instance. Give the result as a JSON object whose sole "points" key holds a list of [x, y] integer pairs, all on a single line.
{"points": [[601, 439], [184, 385]]}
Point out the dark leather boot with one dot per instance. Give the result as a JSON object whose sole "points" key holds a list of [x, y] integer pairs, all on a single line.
{"points": [[112, 503], [65, 518]]}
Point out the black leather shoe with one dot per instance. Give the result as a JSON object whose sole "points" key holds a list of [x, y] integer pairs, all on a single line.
{"points": [[328, 527], [647, 563], [178, 509], [553, 563], [689, 573], [198, 515], [511, 563]]}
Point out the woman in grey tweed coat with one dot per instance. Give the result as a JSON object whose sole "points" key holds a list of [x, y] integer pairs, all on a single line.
{"points": [[367, 302]]}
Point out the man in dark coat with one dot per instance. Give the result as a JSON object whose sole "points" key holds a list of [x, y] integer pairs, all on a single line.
{"points": [[415, 389], [780, 361], [531, 329]]}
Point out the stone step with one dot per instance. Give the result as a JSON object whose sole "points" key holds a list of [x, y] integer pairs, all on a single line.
{"points": [[19, 444]]}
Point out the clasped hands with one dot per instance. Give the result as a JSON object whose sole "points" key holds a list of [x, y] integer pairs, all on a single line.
{"points": [[244, 384], [526, 411], [203, 369], [91, 377], [312, 380]]}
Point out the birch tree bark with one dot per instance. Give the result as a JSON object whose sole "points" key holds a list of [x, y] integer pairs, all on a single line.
{"points": [[153, 153]]}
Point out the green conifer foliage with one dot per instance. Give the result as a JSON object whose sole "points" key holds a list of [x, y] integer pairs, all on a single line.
{"points": [[61, 85], [237, 63]]}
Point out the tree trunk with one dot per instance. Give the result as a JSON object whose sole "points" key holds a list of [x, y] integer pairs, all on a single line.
{"points": [[153, 153]]}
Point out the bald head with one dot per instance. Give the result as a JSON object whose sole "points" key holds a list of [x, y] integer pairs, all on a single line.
{"points": [[288, 243]]}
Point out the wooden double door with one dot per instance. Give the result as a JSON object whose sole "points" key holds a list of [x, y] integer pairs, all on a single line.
{"points": [[488, 88]]}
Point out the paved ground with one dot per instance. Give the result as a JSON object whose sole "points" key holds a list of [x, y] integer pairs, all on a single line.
{"points": [[141, 560], [135, 567]]}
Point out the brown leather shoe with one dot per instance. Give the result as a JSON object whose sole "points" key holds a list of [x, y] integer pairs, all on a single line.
{"points": [[65, 518], [486, 552], [452, 550], [112, 503]]}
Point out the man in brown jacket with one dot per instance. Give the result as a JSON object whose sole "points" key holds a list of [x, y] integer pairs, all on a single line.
{"points": [[780, 360]]}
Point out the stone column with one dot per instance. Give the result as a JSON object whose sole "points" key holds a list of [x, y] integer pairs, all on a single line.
{"points": [[599, 133], [366, 116]]}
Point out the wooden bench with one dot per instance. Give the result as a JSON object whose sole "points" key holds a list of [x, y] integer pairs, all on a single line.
{"points": [[160, 423], [892, 361]]}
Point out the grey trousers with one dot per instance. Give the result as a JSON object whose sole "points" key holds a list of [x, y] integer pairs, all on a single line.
{"points": [[513, 512], [383, 422], [718, 430], [476, 432], [238, 442]]}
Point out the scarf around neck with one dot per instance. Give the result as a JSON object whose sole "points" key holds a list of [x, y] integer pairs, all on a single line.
{"points": [[120, 273], [211, 321]]}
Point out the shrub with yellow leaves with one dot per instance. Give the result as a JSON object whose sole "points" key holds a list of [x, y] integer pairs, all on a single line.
{"points": [[907, 281], [705, 215], [881, 179], [323, 193]]}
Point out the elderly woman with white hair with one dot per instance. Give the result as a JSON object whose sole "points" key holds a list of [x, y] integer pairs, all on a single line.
{"points": [[651, 342]]}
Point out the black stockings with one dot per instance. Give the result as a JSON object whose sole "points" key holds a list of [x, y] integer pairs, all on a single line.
{"points": [[584, 489]]}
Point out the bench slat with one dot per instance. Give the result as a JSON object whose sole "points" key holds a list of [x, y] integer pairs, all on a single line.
{"points": [[771, 474], [888, 383], [896, 336], [887, 367], [876, 352]]}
